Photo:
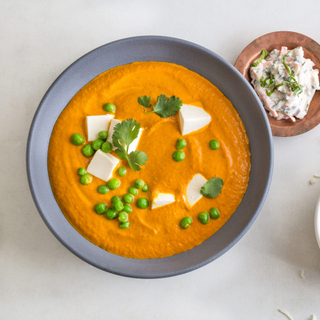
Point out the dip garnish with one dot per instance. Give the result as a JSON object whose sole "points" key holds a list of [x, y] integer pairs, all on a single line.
{"points": [[264, 53], [165, 107], [295, 86], [123, 135], [212, 188]]}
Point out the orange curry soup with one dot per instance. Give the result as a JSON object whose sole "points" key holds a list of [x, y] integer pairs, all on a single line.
{"points": [[152, 233]]}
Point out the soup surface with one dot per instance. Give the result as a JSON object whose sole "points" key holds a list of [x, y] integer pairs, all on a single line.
{"points": [[153, 233]]}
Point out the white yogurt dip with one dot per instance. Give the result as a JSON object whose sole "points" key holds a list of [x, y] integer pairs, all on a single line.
{"points": [[285, 82]]}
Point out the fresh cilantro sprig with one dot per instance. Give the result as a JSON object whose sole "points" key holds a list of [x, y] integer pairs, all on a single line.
{"points": [[264, 53], [212, 188], [123, 135], [165, 107], [145, 101]]}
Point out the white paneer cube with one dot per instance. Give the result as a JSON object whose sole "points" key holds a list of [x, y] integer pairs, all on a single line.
{"points": [[133, 145], [162, 199], [113, 123], [193, 189], [95, 124], [192, 118], [102, 165]]}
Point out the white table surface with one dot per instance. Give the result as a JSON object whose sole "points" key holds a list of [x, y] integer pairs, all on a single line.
{"points": [[41, 279]]}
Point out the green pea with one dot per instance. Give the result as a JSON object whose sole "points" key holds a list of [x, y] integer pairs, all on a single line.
{"points": [[122, 171], [109, 107], [103, 135], [133, 191], [204, 217], [117, 206], [115, 198], [110, 214], [124, 225], [127, 198], [106, 147], [123, 216], [87, 150], [103, 189], [114, 184], [82, 171], [185, 222], [145, 188], [97, 144], [178, 156], [214, 213], [138, 184], [214, 144], [86, 179], [143, 203], [77, 139], [100, 208], [127, 208], [181, 143]]}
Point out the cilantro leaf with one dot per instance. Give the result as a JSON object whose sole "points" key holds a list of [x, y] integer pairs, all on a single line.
{"points": [[264, 53], [145, 101], [136, 159], [126, 131], [166, 107], [212, 188], [123, 135], [120, 150]]}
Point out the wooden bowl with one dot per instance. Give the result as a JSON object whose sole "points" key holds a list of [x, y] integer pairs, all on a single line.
{"points": [[275, 40]]}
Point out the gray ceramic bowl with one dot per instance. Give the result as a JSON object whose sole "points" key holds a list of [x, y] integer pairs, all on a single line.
{"points": [[151, 48]]}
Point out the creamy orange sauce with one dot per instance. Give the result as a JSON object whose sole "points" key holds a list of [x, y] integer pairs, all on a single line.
{"points": [[152, 233]]}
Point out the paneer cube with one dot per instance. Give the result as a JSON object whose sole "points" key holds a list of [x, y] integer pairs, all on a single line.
{"points": [[95, 124], [134, 144], [102, 165], [113, 123], [193, 189], [162, 199], [192, 118]]}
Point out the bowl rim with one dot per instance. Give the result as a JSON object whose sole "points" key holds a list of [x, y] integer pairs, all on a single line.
{"points": [[86, 247]]}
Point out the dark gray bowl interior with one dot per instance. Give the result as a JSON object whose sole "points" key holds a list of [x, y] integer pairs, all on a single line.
{"points": [[151, 48]]}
